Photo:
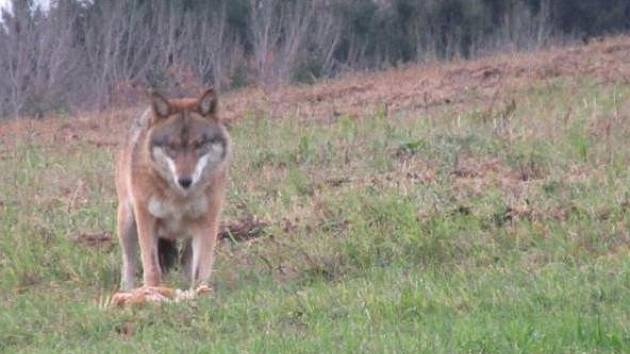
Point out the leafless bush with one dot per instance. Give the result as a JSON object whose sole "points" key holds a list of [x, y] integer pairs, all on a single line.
{"points": [[39, 58]]}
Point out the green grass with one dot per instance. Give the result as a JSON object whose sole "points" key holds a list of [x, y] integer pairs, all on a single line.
{"points": [[460, 230]]}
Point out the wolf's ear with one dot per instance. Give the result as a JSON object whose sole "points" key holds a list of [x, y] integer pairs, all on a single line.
{"points": [[208, 103], [159, 104]]}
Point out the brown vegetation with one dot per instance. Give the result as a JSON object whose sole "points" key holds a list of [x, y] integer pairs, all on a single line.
{"points": [[411, 90]]}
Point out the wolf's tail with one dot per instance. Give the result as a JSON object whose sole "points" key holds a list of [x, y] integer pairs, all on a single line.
{"points": [[167, 254]]}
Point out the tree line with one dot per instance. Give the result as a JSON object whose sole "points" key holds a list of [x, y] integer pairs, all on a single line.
{"points": [[86, 54]]}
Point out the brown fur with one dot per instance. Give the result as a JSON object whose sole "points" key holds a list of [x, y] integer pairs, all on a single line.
{"points": [[153, 209]]}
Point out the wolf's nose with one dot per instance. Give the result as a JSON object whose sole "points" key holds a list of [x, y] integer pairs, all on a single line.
{"points": [[185, 182]]}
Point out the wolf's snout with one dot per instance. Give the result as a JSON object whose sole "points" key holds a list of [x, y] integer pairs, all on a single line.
{"points": [[185, 182]]}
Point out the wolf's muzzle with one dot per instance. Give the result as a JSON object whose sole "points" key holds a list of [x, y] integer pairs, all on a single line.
{"points": [[185, 182]]}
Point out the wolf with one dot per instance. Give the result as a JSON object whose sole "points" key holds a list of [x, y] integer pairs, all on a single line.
{"points": [[171, 177]]}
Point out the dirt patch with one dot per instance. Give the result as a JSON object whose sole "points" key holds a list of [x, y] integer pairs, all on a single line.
{"points": [[243, 230], [126, 329], [473, 176], [99, 240]]}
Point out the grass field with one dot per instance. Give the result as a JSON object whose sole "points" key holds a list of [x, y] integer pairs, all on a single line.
{"points": [[494, 227]]}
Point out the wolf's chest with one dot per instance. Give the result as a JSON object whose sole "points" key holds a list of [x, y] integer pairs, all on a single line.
{"points": [[175, 218]]}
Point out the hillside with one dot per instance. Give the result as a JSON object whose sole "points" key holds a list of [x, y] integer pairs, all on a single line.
{"points": [[410, 90], [478, 206]]}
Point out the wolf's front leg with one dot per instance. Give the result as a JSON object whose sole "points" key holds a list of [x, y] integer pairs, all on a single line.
{"points": [[128, 241], [203, 245], [148, 241]]}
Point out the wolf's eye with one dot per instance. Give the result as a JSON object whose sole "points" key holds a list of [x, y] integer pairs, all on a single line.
{"points": [[214, 140], [170, 149], [200, 144]]}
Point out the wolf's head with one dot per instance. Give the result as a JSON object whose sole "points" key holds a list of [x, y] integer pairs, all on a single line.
{"points": [[187, 141]]}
